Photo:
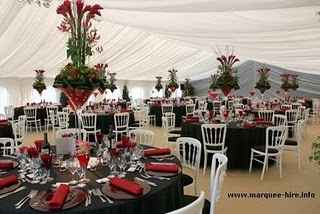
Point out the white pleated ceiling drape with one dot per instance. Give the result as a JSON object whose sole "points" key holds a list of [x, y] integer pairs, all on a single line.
{"points": [[145, 38]]}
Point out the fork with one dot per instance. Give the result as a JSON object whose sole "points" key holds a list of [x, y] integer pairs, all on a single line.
{"points": [[144, 175], [104, 196], [26, 198], [95, 193]]}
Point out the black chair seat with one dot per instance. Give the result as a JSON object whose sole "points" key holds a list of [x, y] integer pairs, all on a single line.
{"points": [[186, 180], [175, 132], [172, 139], [188, 199], [262, 148], [135, 125], [291, 143]]}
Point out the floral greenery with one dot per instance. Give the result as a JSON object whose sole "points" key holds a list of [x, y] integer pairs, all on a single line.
{"points": [[125, 93], [263, 83], [227, 78], [214, 82], [173, 81], [158, 84], [316, 150], [188, 88], [113, 80], [289, 81], [81, 44], [39, 84]]}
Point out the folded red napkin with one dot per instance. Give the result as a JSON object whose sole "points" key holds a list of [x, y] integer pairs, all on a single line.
{"points": [[3, 121], [161, 167], [157, 151], [59, 196], [8, 181], [193, 120], [6, 164], [127, 186]]}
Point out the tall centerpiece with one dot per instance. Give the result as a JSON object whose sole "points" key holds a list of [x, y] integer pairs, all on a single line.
{"points": [[112, 85], [158, 86], [38, 83], [77, 80], [227, 79], [173, 80], [212, 93], [263, 83], [289, 81]]}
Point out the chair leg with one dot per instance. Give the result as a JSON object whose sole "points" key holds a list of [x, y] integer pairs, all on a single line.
{"points": [[264, 167], [280, 165], [205, 163], [299, 158], [251, 159]]}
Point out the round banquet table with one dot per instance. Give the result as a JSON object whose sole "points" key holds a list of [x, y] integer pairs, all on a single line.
{"points": [[104, 121], [179, 111], [6, 130], [165, 197], [239, 141], [41, 113]]}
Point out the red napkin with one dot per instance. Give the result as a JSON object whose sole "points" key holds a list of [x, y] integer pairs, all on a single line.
{"points": [[248, 125], [8, 181], [161, 167], [193, 120], [4, 121], [6, 164], [158, 151], [127, 186], [59, 196]]}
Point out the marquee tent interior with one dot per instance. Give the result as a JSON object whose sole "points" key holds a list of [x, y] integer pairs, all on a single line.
{"points": [[143, 39]]}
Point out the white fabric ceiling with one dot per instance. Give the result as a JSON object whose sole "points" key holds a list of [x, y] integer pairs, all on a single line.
{"points": [[144, 38]]}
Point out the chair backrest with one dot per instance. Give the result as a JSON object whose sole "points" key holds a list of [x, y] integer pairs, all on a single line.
{"points": [[292, 116], [63, 119], [279, 120], [9, 111], [202, 105], [190, 108], [121, 121], [216, 105], [285, 106], [193, 208], [214, 134], [275, 137], [66, 110], [89, 121], [301, 112], [230, 104], [299, 129], [238, 106], [51, 108], [218, 169], [30, 112], [306, 114], [170, 120], [19, 129], [7, 146], [266, 115], [189, 152], [295, 105], [143, 136], [166, 108]]}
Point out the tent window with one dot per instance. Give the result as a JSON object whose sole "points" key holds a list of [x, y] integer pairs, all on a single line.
{"points": [[3, 98]]}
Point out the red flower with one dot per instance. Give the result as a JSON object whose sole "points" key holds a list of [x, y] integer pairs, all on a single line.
{"points": [[65, 8], [80, 6], [95, 10]]}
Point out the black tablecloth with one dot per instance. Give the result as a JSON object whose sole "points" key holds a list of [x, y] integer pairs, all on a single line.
{"points": [[41, 113], [238, 140], [104, 121], [6, 130], [180, 111], [167, 196]]}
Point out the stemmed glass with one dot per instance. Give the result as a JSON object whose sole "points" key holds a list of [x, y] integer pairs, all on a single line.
{"points": [[84, 160], [46, 162], [73, 166]]}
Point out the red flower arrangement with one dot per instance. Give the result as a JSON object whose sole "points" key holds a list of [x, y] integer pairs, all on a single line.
{"points": [[289, 81], [263, 83], [39, 84], [173, 85], [76, 79]]}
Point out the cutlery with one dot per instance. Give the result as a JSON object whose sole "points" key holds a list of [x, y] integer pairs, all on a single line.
{"points": [[10, 193], [149, 182], [144, 175], [104, 196], [95, 193], [26, 198]]}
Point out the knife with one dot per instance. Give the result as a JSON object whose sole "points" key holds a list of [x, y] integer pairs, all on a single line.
{"points": [[149, 182], [10, 193]]}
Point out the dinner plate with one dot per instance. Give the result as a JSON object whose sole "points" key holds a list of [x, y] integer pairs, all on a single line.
{"points": [[118, 194], [9, 159], [41, 201], [10, 188]]}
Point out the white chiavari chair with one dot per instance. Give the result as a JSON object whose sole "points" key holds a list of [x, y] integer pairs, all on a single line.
{"points": [[189, 153], [89, 123], [190, 108], [266, 115], [213, 138], [31, 116], [143, 136], [275, 138], [121, 124], [19, 128], [292, 118], [9, 112], [63, 120], [279, 120], [48, 121], [193, 208], [7, 146]]}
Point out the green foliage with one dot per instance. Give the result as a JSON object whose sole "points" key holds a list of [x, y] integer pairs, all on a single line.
{"points": [[227, 78], [125, 93], [188, 89], [263, 83]]}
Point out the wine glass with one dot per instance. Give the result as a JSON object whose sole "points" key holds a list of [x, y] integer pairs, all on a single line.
{"points": [[83, 160], [46, 162], [73, 167]]}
